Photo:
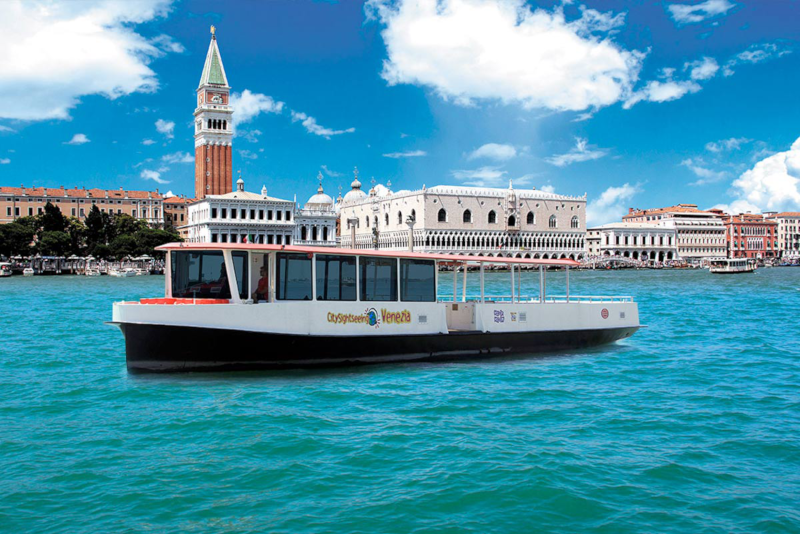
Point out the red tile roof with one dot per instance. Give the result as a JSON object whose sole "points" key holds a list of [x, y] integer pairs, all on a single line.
{"points": [[788, 214], [79, 193]]}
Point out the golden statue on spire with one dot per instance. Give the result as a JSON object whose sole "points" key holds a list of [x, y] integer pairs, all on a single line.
{"points": [[213, 30]]}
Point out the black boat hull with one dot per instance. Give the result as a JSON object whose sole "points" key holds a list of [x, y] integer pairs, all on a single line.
{"points": [[166, 348]]}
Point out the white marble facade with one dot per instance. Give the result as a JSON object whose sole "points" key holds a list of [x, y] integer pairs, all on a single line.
{"points": [[466, 220]]}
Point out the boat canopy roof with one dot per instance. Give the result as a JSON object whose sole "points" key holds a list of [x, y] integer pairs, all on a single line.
{"points": [[450, 258]]}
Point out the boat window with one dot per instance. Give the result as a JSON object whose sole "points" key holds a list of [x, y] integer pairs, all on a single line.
{"points": [[293, 276], [203, 274], [417, 280], [336, 277], [378, 279]]}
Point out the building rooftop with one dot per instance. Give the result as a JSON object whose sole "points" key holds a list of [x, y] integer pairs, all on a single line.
{"points": [[630, 226], [79, 193], [680, 208]]}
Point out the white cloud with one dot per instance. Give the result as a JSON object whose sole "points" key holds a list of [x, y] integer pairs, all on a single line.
{"points": [[178, 157], [548, 189], [705, 175], [494, 151], [692, 13], [246, 154], [4, 161], [482, 177], [310, 124], [169, 194], [153, 175], [248, 105], [249, 135], [469, 50], [148, 142], [408, 154], [738, 206], [658, 91], [332, 174], [773, 184], [756, 53], [78, 139], [6, 129], [610, 205], [702, 69], [57, 53], [168, 44], [167, 128], [580, 152], [727, 145]]}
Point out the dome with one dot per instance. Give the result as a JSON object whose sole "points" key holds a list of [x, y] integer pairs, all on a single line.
{"points": [[320, 198], [355, 193]]}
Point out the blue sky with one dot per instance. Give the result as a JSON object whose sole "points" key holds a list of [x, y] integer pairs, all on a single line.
{"points": [[641, 103]]}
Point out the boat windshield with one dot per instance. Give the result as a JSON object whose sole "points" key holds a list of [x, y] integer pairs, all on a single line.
{"points": [[202, 274]]}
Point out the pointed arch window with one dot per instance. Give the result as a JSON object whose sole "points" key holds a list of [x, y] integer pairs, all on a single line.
{"points": [[442, 216], [399, 217], [467, 216], [531, 218], [386, 219], [575, 222], [553, 222], [366, 220], [492, 217], [512, 221]]}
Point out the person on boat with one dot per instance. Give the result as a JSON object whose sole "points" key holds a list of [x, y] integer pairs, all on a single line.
{"points": [[262, 291], [224, 287]]}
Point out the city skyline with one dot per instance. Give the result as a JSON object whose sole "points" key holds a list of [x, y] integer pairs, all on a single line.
{"points": [[642, 105]]}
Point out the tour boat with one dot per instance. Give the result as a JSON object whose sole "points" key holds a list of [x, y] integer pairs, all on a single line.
{"points": [[731, 266], [92, 272], [5, 269], [27, 271], [250, 306]]}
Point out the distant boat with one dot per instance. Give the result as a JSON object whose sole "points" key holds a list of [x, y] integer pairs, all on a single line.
{"points": [[5, 269], [122, 273], [142, 272], [731, 266], [92, 272], [27, 271]]}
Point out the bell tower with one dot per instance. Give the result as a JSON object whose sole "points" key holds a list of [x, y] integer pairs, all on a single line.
{"points": [[213, 128]]}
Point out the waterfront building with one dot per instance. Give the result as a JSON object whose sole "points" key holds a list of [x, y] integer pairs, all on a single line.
{"points": [[700, 234], [478, 221], [213, 128], [175, 210], [788, 232], [750, 235], [634, 240], [316, 222], [240, 217], [16, 202]]}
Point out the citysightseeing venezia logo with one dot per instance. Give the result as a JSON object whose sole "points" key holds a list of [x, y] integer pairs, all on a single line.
{"points": [[371, 317]]}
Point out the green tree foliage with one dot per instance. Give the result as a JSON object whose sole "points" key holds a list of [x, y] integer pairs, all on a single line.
{"points": [[15, 239], [123, 245], [147, 239], [52, 220], [53, 243], [102, 252], [97, 223]]}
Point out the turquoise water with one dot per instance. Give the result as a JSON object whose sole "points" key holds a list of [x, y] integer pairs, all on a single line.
{"points": [[692, 425]]}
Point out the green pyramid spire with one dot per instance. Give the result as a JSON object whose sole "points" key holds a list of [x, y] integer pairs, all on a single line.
{"points": [[213, 71]]}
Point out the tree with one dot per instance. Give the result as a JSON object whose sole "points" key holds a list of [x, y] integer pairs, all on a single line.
{"points": [[77, 235], [15, 239], [124, 245], [148, 239], [125, 225], [96, 228], [52, 220], [101, 251], [53, 243]]}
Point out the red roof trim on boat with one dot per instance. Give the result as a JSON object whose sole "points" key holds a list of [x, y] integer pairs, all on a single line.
{"points": [[457, 258], [165, 300]]}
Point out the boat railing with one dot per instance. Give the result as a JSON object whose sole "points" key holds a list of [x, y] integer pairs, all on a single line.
{"points": [[524, 299]]}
